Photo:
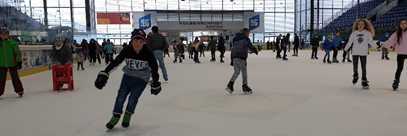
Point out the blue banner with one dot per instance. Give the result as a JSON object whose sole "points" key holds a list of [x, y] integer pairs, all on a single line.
{"points": [[254, 22], [145, 22]]}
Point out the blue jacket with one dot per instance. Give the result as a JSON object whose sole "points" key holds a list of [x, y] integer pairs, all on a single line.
{"points": [[240, 46], [327, 45], [337, 42]]}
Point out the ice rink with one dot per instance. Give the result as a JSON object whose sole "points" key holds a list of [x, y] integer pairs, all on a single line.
{"points": [[298, 97]]}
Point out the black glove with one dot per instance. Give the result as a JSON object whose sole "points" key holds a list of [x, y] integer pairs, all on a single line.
{"points": [[101, 80], [155, 88], [19, 65], [256, 52]]}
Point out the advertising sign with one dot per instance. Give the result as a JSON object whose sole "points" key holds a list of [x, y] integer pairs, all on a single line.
{"points": [[113, 18]]}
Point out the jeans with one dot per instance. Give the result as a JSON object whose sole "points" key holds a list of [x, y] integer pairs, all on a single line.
{"points": [[363, 60], [400, 66], [327, 55], [159, 55], [239, 65], [18, 86], [131, 87]]}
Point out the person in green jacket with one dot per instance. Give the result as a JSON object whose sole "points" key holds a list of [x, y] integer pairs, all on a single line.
{"points": [[10, 60]]}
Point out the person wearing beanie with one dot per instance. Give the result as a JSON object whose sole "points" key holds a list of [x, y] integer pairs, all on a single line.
{"points": [[140, 66], [10, 61], [241, 45]]}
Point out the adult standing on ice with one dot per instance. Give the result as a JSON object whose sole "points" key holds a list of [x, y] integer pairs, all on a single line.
{"points": [[158, 43], [398, 41], [140, 65], [241, 45]]}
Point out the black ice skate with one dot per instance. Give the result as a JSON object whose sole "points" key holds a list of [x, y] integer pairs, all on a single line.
{"points": [[247, 90], [229, 87], [355, 79], [365, 84], [395, 85]]}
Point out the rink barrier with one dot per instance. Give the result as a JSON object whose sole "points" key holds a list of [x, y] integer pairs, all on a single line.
{"points": [[35, 59]]}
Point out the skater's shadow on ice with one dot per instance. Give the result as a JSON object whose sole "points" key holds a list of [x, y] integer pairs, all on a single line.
{"points": [[132, 131], [10, 98]]}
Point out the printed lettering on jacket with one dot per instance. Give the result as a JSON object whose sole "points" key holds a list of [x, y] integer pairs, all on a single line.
{"points": [[136, 65]]}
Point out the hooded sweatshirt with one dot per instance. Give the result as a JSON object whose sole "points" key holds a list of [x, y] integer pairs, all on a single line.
{"points": [[240, 46], [401, 48], [360, 41]]}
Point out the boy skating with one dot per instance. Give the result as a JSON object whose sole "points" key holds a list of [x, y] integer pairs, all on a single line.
{"points": [[140, 64]]}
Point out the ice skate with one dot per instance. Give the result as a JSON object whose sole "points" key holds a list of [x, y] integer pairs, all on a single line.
{"points": [[126, 120], [395, 85], [365, 84], [355, 79], [247, 90], [113, 121], [229, 87]]}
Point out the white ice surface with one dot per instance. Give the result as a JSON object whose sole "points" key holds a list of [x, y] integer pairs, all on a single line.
{"points": [[299, 97]]}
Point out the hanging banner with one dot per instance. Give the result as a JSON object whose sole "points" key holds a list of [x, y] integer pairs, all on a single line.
{"points": [[145, 22], [113, 18], [254, 22]]}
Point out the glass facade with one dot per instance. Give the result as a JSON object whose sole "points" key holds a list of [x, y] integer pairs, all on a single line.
{"points": [[278, 14], [59, 13]]}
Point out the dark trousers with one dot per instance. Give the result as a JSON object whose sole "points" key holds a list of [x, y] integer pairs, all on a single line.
{"points": [[285, 52], [213, 55], [108, 58], [196, 57], [202, 53], [346, 55], [400, 66], [131, 88], [363, 60], [80, 65], [18, 86], [314, 53], [385, 53], [278, 52], [295, 49], [335, 55], [222, 55]]}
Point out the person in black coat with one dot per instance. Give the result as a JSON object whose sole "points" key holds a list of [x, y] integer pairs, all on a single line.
{"points": [[221, 48]]}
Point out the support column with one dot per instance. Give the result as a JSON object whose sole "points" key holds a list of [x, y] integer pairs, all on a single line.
{"points": [[45, 13], [72, 18]]}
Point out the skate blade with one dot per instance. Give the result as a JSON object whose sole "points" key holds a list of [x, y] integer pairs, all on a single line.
{"points": [[366, 87], [229, 91], [247, 93]]}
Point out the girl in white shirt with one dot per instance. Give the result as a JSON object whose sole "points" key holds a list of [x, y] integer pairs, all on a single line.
{"points": [[359, 40]]}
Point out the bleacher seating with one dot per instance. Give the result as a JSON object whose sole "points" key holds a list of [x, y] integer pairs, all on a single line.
{"points": [[346, 19], [16, 20], [389, 20]]}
